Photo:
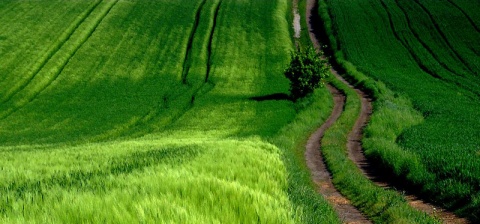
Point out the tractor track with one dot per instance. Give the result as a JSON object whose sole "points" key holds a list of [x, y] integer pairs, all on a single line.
{"points": [[320, 174], [199, 90], [64, 61], [187, 60], [50, 53]]}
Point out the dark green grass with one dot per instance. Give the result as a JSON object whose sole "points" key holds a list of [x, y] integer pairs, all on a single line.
{"points": [[428, 52], [121, 74], [112, 77], [126, 77], [18, 43]]}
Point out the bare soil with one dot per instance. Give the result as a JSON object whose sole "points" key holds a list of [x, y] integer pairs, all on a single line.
{"points": [[313, 156], [320, 174]]}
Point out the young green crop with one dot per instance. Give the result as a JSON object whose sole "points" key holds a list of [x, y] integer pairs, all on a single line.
{"points": [[112, 72], [147, 180]]}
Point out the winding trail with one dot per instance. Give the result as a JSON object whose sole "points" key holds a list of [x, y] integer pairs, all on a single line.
{"points": [[321, 176], [313, 156]]}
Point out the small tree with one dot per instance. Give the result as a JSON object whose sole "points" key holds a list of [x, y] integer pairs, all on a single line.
{"points": [[306, 71]]}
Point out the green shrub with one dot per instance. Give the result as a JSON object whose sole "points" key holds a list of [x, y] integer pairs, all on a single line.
{"points": [[307, 70]]}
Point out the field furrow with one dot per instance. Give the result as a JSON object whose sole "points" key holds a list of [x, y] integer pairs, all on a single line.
{"points": [[187, 60], [58, 60], [210, 41], [19, 86], [470, 20], [446, 40], [34, 50]]}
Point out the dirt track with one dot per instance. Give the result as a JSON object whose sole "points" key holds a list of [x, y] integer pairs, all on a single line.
{"points": [[320, 175]]}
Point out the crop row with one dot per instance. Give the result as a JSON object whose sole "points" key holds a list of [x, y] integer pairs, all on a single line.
{"points": [[88, 88]]}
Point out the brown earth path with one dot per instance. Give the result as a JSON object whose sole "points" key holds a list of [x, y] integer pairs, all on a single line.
{"points": [[354, 146], [320, 175]]}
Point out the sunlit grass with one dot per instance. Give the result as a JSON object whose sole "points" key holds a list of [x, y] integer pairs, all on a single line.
{"points": [[217, 180]]}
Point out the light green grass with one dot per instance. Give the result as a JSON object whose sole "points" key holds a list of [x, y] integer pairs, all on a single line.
{"points": [[172, 180]]}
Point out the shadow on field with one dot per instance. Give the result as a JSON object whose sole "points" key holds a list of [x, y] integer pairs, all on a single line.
{"points": [[274, 96]]}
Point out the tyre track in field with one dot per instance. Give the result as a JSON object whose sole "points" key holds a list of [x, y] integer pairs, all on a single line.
{"points": [[209, 50], [445, 38], [50, 53], [210, 41], [83, 39], [203, 88], [187, 59], [406, 46], [206, 86], [423, 43], [472, 22], [355, 151], [416, 58]]}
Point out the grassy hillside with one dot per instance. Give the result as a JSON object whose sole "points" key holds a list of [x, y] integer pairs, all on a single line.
{"points": [[427, 51], [142, 111]]}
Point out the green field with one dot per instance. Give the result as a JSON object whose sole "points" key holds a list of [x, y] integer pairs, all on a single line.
{"points": [[123, 111], [428, 52], [134, 111]]}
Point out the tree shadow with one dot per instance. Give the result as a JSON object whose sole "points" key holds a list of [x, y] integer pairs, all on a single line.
{"points": [[274, 96]]}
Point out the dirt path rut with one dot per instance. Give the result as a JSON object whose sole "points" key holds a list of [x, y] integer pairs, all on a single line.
{"points": [[355, 151], [320, 175]]}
